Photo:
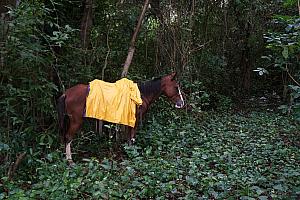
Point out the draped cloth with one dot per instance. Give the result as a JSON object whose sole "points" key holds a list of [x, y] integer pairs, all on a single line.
{"points": [[113, 102]]}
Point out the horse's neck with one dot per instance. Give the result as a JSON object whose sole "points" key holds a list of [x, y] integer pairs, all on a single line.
{"points": [[150, 90], [150, 98]]}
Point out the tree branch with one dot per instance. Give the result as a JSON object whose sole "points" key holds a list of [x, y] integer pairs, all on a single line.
{"points": [[133, 39], [287, 70], [14, 166], [106, 57]]}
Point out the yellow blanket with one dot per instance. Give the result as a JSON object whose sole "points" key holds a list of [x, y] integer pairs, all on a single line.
{"points": [[113, 102]]}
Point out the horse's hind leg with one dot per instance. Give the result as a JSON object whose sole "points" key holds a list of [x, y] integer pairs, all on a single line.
{"points": [[73, 128], [69, 153]]}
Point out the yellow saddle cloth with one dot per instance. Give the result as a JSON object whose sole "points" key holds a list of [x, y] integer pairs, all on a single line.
{"points": [[113, 102]]}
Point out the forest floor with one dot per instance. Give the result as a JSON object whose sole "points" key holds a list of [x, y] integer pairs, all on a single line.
{"points": [[178, 155]]}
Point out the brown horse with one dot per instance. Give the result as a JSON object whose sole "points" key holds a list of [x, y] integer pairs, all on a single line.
{"points": [[71, 106]]}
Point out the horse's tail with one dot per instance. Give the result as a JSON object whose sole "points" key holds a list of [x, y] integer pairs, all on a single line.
{"points": [[62, 117]]}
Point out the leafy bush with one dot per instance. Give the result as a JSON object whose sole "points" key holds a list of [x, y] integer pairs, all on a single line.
{"points": [[285, 48], [251, 156], [27, 89]]}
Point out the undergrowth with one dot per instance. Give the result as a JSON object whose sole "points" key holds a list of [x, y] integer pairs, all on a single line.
{"points": [[252, 155]]}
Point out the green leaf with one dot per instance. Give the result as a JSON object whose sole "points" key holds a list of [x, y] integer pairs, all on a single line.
{"points": [[257, 189], [263, 198], [279, 187], [106, 164], [3, 147], [191, 180], [285, 52], [247, 198]]}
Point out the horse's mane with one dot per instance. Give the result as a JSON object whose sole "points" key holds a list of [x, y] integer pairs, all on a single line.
{"points": [[150, 87]]}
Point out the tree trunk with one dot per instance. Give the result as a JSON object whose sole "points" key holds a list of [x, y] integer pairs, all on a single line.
{"points": [[7, 3], [133, 39], [245, 71], [86, 23], [4, 28], [245, 29]]}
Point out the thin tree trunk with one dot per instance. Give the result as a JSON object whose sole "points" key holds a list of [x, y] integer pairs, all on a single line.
{"points": [[133, 39], [86, 23], [299, 7]]}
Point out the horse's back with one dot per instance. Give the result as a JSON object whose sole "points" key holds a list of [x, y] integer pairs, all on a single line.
{"points": [[76, 99], [77, 90]]}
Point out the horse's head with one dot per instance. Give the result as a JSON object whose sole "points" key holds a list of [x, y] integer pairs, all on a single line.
{"points": [[171, 89]]}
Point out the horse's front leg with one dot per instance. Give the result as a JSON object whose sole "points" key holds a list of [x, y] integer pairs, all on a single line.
{"points": [[132, 134], [140, 111]]}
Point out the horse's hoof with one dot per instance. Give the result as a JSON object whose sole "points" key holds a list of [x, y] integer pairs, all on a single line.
{"points": [[71, 163], [131, 142]]}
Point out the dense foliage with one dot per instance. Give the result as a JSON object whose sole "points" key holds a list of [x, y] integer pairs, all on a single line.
{"points": [[232, 56], [220, 156]]}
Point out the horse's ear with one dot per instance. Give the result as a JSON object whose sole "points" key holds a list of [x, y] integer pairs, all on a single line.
{"points": [[173, 75]]}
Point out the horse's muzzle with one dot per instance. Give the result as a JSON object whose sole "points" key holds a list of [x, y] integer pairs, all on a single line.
{"points": [[179, 104]]}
